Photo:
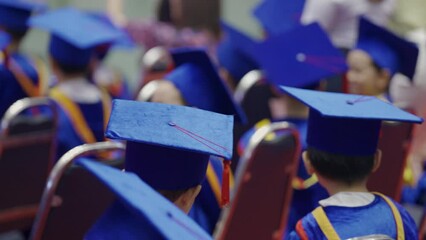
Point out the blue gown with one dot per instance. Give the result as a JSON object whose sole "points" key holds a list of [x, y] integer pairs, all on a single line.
{"points": [[10, 88], [93, 114], [304, 199], [68, 138], [206, 208], [348, 222]]}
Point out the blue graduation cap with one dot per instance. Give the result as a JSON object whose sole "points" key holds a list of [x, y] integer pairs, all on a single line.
{"points": [[139, 212], [300, 57], [200, 84], [169, 146], [347, 124], [387, 49], [4, 40], [124, 41], [14, 14], [232, 52], [279, 16], [73, 35]]}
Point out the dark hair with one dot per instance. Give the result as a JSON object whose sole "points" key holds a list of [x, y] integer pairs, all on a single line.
{"points": [[342, 168], [15, 34], [69, 69], [172, 195]]}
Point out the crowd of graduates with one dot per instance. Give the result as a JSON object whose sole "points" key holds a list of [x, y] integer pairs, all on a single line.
{"points": [[327, 67]]}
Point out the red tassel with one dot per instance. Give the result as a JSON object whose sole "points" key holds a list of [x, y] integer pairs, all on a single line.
{"points": [[5, 58], [225, 182]]}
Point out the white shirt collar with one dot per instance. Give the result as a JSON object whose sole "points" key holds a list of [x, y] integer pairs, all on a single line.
{"points": [[348, 199], [80, 90]]}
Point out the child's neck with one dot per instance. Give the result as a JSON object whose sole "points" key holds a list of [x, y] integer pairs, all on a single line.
{"points": [[334, 187]]}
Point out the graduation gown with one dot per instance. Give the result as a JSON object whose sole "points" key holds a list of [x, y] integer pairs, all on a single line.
{"points": [[381, 216]]}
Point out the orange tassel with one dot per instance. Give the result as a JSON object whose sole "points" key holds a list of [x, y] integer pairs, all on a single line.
{"points": [[225, 182]]}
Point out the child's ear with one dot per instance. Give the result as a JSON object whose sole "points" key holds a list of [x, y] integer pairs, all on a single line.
{"points": [[377, 160], [307, 163]]}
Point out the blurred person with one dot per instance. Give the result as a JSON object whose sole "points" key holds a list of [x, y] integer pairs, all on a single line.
{"points": [[178, 23], [195, 82], [23, 76], [339, 18], [290, 59], [105, 76], [83, 107], [231, 53], [378, 55], [138, 212]]}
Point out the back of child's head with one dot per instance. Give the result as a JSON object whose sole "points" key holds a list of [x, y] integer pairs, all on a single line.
{"points": [[341, 168], [344, 131]]}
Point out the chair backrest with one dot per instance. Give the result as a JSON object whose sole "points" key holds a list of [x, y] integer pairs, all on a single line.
{"points": [[156, 62], [73, 198], [26, 156], [147, 91], [260, 202], [253, 95], [372, 237], [422, 226], [394, 143]]}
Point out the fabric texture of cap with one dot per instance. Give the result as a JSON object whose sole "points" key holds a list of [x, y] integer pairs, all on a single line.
{"points": [[279, 16], [73, 35], [14, 14], [387, 49], [139, 212], [300, 57], [347, 124], [168, 146], [232, 52], [200, 84]]}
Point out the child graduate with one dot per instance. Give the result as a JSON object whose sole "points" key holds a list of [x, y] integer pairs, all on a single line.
{"points": [[83, 107], [22, 76], [138, 212], [377, 57], [283, 58], [195, 82], [342, 138], [169, 146]]}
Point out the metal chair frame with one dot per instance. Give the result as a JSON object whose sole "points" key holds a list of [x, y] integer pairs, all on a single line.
{"points": [[258, 137], [246, 82], [21, 105], [24, 212], [55, 176]]}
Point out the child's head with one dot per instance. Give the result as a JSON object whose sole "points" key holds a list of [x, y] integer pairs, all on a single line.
{"points": [[365, 76], [345, 169], [377, 56], [343, 133], [169, 146]]}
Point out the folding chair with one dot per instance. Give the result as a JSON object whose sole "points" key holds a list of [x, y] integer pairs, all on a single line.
{"points": [[147, 91], [422, 227], [253, 94], [26, 157], [156, 63], [394, 143], [260, 206], [73, 198]]}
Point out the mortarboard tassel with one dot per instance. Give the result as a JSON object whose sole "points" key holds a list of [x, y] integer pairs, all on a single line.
{"points": [[226, 163], [225, 182]]}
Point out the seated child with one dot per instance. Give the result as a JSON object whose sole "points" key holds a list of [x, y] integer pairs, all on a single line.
{"points": [[342, 138], [377, 57]]}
